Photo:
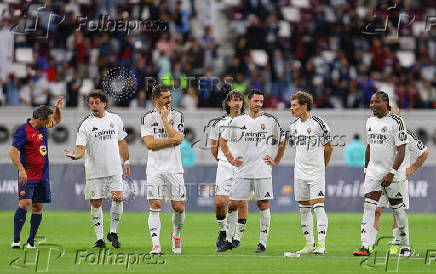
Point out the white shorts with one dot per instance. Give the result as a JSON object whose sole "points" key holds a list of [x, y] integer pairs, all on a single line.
{"points": [[224, 178], [243, 187], [306, 190], [166, 186], [98, 188], [384, 201], [394, 191]]}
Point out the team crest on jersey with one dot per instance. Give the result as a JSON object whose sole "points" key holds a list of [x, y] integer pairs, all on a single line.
{"points": [[171, 121], [384, 129], [22, 193], [309, 130], [43, 150], [262, 126], [111, 124], [40, 136]]}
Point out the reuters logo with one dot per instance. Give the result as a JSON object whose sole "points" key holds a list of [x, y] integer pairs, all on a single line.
{"points": [[43, 150]]}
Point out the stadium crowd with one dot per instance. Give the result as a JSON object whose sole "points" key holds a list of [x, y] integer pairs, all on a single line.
{"points": [[325, 52]]}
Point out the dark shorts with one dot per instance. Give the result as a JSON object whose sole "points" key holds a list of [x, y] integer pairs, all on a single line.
{"points": [[36, 190]]}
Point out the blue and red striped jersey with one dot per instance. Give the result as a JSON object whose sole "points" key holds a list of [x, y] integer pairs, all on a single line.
{"points": [[32, 144]]}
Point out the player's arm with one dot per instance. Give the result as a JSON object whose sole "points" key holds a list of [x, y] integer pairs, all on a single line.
{"points": [[367, 155], [225, 148], [214, 148], [279, 155], [124, 152], [77, 154], [171, 132], [328, 149], [57, 116], [156, 144], [399, 158], [418, 163], [15, 157]]}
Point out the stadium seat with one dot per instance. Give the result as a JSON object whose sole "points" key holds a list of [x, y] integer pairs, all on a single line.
{"points": [[19, 69], [259, 57], [406, 58], [300, 3], [284, 29]]}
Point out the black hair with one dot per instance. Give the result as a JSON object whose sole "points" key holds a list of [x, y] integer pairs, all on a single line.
{"points": [[385, 98], [42, 112], [255, 91]]}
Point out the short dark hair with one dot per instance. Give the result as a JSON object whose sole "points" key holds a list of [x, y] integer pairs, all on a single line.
{"points": [[385, 98], [255, 91], [229, 97], [157, 90], [303, 98], [97, 93], [42, 112]]}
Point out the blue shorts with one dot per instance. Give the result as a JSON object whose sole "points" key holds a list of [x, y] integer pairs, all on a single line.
{"points": [[36, 190]]}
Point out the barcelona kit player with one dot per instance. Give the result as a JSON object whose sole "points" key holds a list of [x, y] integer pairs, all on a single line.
{"points": [[29, 153]]}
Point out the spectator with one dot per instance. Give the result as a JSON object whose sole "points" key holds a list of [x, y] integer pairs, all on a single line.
{"points": [[40, 91], [355, 153], [73, 91], [12, 92], [181, 20], [190, 100]]}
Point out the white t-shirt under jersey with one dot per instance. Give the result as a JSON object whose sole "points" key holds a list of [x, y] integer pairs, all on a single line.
{"points": [[253, 139], [217, 128], [309, 138], [100, 136], [164, 160], [384, 135]]}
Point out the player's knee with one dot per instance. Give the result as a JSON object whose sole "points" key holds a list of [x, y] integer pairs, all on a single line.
{"points": [[117, 197], [96, 203], [220, 203], [37, 208], [179, 208], [263, 205], [155, 204], [25, 204]]}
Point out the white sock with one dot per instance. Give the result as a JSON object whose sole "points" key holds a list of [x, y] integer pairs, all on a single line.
{"points": [[178, 220], [240, 228], [222, 223], [154, 226], [265, 222], [232, 218], [322, 222], [116, 212], [307, 223], [367, 226], [97, 219], [396, 236], [403, 223]]}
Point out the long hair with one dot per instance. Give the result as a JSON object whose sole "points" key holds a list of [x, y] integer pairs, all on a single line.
{"points": [[229, 97], [385, 98]]}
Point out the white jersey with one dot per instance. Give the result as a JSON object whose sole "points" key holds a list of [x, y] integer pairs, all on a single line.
{"points": [[384, 135], [414, 148], [100, 136], [253, 140], [168, 159], [217, 128], [309, 138]]}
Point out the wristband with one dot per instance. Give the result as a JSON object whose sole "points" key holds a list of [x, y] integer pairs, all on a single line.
{"points": [[126, 162], [393, 171]]}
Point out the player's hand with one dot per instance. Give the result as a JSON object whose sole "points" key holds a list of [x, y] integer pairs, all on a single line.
{"points": [[237, 162], [127, 171], [70, 154], [409, 172], [269, 161], [60, 102], [164, 113], [22, 176], [178, 138], [387, 180]]}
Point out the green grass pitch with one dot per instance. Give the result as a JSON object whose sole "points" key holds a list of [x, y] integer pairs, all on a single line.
{"points": [[73, 231]]}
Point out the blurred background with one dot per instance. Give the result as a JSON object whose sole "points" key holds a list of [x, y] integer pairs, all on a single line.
{"points": [[340, 51]]}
